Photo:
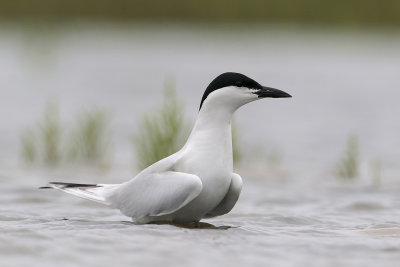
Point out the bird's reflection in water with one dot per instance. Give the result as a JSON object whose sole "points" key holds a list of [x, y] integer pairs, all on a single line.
{"points": [[190, 225]]}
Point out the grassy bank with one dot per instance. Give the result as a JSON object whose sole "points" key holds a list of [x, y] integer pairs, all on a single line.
{"points": [[351, 12]]}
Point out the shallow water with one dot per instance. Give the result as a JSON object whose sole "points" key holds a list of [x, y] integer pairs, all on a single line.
{"points": [[277, 222], [291, 214]]}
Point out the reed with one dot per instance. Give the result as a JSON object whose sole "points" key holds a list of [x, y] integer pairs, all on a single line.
{"points": [[349, 163], [42, 143], [91, 139], [162, 131], [49, 133], [46, 144], [28, 148]]}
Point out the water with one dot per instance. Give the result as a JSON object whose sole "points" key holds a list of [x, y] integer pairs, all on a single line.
{"points": [[292, 214], [277, 222]]}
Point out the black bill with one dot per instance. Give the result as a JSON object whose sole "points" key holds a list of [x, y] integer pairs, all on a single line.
{"points": [[271, 92]]}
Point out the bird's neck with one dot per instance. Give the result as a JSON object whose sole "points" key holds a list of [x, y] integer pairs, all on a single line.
{"points": [[211, 134], [212, 119]]}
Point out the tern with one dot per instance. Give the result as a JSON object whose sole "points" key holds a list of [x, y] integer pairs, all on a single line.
{"points": [[196, 182]]}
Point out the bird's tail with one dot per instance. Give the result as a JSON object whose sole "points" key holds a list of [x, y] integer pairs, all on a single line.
{"points": [[100, 193]]}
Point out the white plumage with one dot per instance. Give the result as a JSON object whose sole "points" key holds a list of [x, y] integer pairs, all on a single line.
{"points": [[197, 181]]}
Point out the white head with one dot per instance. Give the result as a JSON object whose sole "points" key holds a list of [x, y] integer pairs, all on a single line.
{"points": [[233, 90]]}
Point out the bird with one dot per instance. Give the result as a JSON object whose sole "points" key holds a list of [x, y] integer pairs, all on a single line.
{"points": [[197, 182]]}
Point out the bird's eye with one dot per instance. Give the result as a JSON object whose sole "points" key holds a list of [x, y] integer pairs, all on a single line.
{"points": [[239, 84]]}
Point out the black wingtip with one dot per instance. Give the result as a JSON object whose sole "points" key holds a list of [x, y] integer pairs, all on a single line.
{"points": [[67, 185], [70, 185]]}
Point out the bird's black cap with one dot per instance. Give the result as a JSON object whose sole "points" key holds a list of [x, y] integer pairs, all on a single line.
{"points": [[239, 80], [229, 79]]}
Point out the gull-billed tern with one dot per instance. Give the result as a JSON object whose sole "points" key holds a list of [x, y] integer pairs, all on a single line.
{"points": [[197, 181]]}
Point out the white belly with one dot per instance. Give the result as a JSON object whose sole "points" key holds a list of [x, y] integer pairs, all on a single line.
{"points": [[215, 174]]}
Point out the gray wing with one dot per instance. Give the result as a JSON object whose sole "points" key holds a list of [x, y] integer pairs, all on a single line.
{"points": [[156, 194], [230, 199]]}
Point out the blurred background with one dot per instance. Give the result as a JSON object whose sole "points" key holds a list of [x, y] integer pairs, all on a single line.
{"points": [[111, 61], [94, 91]]}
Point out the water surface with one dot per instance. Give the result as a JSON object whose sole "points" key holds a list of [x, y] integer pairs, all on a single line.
{"points": [[277, 222]]}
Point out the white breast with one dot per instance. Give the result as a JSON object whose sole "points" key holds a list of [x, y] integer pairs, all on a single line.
{"points": [[209, 156]]}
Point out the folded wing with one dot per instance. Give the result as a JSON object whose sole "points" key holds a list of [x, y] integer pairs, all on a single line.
{"points": [[156, 194]]}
